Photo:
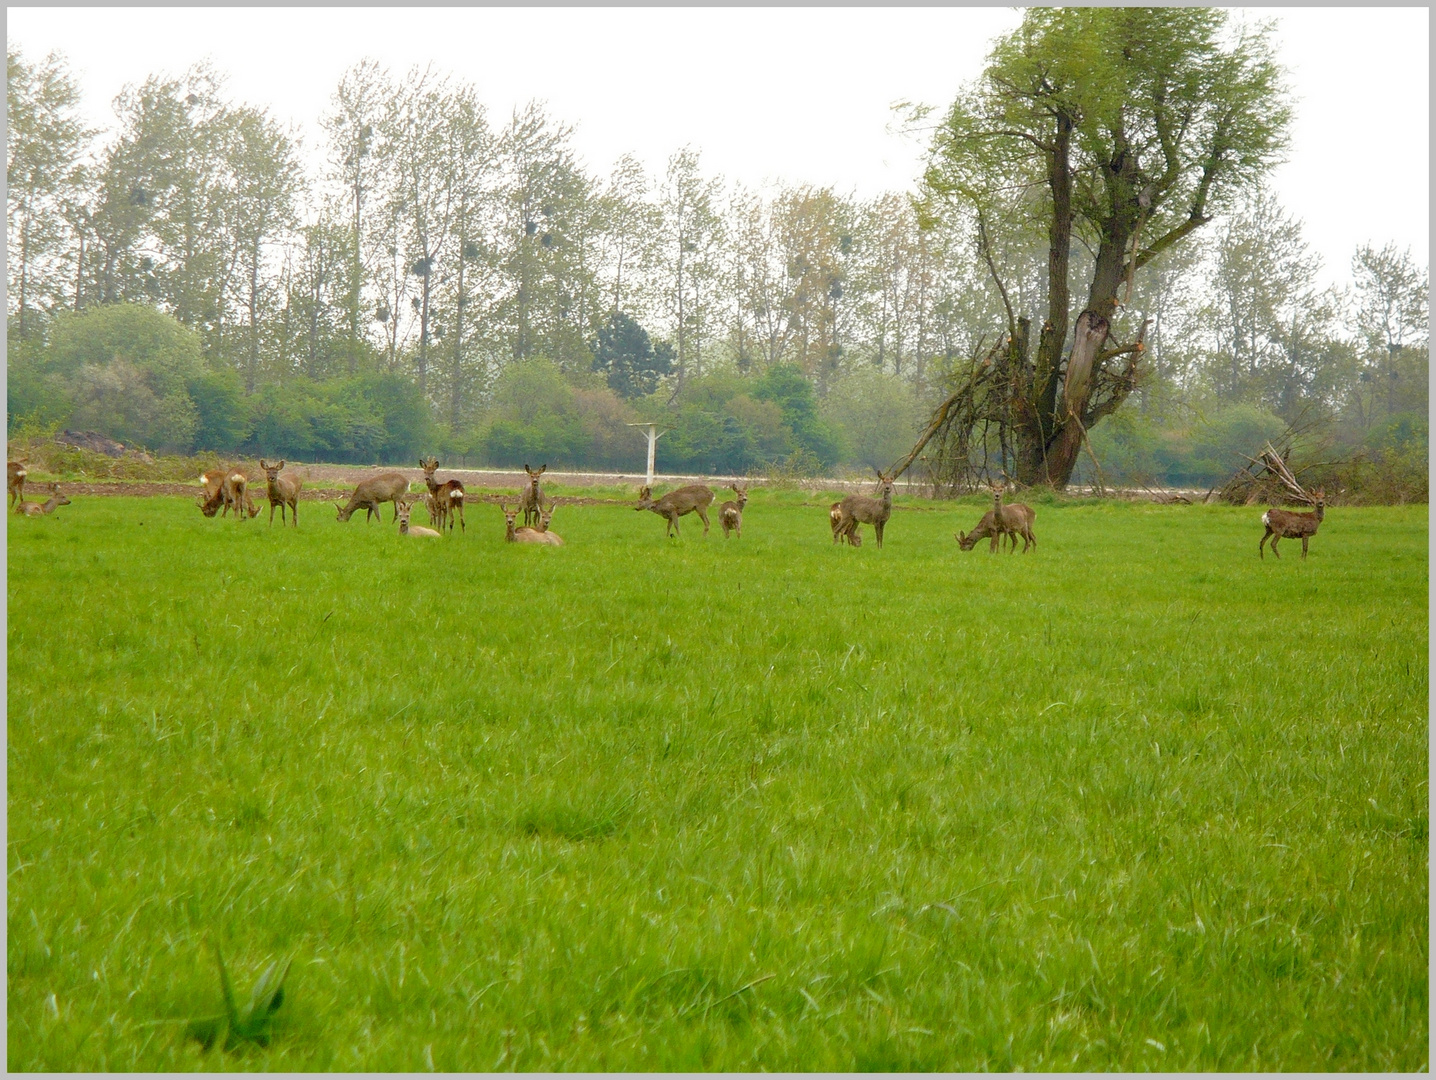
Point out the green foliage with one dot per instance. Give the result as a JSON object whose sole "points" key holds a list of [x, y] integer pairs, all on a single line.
{"points": [[870, 829], [224, 413], [534, 418], [630, 360], [876, 417], [785, 385]]}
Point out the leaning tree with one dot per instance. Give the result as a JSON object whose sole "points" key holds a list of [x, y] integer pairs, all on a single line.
{"points": [[1123, 130]]}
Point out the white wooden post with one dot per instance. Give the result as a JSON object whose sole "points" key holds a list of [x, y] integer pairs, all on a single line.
{"points": [[653, 436]]}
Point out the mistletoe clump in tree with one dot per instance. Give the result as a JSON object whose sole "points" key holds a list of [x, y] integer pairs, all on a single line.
{"points": [[1126, 129]]}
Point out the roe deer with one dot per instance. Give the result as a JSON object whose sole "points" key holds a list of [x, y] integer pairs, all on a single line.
{"points": [[981, 531], [835, 518], [34, 509], [694, 498], [545, 520], [864, 509], [526, 535], [730, 514], [402, 510], [283, 490], [1281, 524], [15, 473], [1014, 521], [372, 493], [448, 497], [231, 490], [531, 501]]}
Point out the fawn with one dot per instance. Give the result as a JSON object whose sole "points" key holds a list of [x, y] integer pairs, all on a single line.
{"points": [[1281, 524], [730, 514]]}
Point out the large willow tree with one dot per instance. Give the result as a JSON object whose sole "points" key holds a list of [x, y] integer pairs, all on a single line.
{"points": [[1126, 130]]}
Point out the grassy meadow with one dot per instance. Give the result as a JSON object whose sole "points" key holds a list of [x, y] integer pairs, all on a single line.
{"points": [[1136, 800]]}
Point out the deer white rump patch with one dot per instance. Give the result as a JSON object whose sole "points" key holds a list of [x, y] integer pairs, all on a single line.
{"points": [[1266, 518]]}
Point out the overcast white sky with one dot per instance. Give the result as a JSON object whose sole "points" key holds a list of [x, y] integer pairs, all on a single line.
{"points": [[797, 94]]}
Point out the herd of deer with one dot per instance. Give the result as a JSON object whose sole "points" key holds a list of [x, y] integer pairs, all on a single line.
{"points": [[228, 489]]}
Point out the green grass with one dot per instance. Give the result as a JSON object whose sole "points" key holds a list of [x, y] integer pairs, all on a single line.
{"points": [[1138, 800]]}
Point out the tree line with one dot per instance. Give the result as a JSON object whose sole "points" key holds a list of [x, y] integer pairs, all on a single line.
{"points": [[460, 281]]}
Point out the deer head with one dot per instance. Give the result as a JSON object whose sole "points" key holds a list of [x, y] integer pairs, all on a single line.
{"points": [[271, 471]]}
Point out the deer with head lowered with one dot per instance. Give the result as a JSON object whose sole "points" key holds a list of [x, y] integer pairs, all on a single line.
{"points": [[34, 509], [448, 497], [692, 499], [865, 509], [282, 490], [372, 493], [531, 501], [527, 535], [402, 509], [835, 518], [15, 473], [730, 514], [1289, 524], [229, 489]]}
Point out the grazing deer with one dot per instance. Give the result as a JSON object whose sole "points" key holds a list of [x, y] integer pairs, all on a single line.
{"points": [[730, 514], [984, 529], [531, 501], [372, 493], [865, 509], [835, 518], [448, 497], [402, 510], [694, 498], [15, 473], [1014, 521], [526, 535], [1281, 524], [283, 490], [34, 509]]}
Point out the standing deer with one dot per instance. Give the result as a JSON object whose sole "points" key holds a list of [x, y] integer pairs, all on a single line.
{"points": [[448, 497], [15, 473], [1281, 524], [34, 509], [694, 498], [730, 514], [856, 509], [1014, 521], [401, 511], [531, 501], [526, 535], [835, 518], [982, 531], [283, 490], [372, 493]]}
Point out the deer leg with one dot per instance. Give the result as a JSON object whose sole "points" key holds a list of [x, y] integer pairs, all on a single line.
{"points": [[878, 528], [1274, 538], [703, 514], [1303, 547], [271, 516]]}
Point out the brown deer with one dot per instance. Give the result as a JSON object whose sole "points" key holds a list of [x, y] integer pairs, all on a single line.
{"points": [[694, 498], [1281, 524], [835, 518], [1014, 521], [402, 510], [730, 514], [372, 493], [982, 531], [526, 535], [34, 509], [448, 497], [865, 509], [545, 520], [282, 490], [531, 501], [15, 473]]}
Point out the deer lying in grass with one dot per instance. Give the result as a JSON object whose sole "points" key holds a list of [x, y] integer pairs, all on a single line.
{"points": [[531, 501], [1283, 524], [15, 473], [401, 511], [371, 494], [730, 514], [525, 534], [34, 509], [864, 509], [448, 497], [692, 499], [835, 518], [282, 489]]}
